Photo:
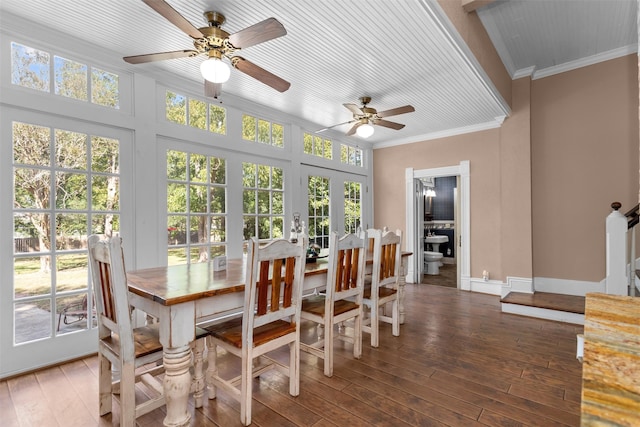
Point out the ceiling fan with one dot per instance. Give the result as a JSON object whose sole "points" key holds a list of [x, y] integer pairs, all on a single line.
{"points": [[365, 117], [217, 44]]}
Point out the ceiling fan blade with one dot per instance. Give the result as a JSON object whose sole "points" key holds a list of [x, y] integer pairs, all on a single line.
{"points": [[333, 126], [260, 74], [354, 109], [268, 29], [151, 57], [396, 111], [388, 124], [164, 9], [353, 129], [212, 89]]}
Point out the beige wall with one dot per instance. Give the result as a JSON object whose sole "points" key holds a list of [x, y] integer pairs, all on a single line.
{"points": [[541, 185], [584, 131]]}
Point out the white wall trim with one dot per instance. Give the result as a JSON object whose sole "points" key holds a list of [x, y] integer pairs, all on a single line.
{"points": [[567, 287], [441, 134]]}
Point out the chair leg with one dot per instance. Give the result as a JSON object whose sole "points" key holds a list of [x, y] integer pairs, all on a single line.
{"points": [[375, 341], [127, 395], [328, 349], [395, 318], [294, 365], [357, 336], [245, 387], [198, 373], [104, 385], [212, 368]]}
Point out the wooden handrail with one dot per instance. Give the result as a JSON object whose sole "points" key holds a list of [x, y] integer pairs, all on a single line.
{"points": [[633, 215]]}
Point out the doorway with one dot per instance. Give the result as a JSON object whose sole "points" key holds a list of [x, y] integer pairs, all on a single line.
{"points": [[415, 221]]}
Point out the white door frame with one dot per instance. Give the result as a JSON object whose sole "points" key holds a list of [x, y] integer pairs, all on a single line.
{"points": [[463, 229]]}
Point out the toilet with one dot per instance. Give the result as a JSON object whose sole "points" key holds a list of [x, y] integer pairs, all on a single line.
{"points": [[432, 262]]}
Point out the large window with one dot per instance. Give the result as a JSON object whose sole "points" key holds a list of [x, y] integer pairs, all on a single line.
{"points": [[33, 68], [263, 131], [66, 186], [262, 201], [350, 155], [196, 207], [195, 113], [317, 146]]}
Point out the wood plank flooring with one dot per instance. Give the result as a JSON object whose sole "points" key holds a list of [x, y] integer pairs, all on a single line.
{"points": [[459, 361]]}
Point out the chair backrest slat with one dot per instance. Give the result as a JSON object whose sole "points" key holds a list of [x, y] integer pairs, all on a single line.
{"points": [[346, 265]]}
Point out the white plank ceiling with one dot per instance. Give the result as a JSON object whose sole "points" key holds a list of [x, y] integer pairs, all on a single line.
{"points": [[335, 51]]}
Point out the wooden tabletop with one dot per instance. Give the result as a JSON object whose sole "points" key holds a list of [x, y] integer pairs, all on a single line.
{"points": [[189, 282]]}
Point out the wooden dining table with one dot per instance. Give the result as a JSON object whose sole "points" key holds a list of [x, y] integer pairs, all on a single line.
{"points": [[181, 296]]}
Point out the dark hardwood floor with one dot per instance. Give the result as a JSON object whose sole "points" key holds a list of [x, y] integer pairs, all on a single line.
{"points": [[459, 361], [448, 277]]}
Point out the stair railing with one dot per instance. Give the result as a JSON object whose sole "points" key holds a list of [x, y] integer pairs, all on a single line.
{"points": [[621, 250]]}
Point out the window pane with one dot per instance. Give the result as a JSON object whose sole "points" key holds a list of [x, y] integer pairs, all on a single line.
{"points": [[105, 155], [176, 165], [217, 170], [217, 119], [32, 276], [264, 131], [264, 176], [176, 198], [307, 141], [198, 198], [105, 191], [277, 135], [197, 114], [70, 78], [32, 188], [29, 67], [198, 168], [71, 191], [218, 200], [327, 149], [104, 88], [70, 231], [218, 229], [71, 150], [177, 229], [31, 144], [277, 179], [248, 128], [277, 203], [248, 175], [176, 108], [73, 272], [263, 202], [249, 230], [32, 320], [249, 201]]}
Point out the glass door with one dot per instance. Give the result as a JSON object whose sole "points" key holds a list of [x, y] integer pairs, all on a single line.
{"points": [[66, 185], [335, 202]]}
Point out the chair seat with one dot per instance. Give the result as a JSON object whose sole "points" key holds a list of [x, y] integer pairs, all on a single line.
{"points": [[231, 331], [146, 340], [316, 305], [382, 292]]}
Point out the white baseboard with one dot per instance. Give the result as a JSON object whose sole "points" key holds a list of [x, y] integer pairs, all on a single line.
{"points": [[543, 313], [517, 284], [567, 287], [492, 287]]}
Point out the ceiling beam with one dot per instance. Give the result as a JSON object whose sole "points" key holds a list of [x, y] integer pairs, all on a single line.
{"points": [[471, 5]]}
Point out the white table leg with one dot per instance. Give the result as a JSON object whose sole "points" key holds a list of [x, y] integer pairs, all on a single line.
{"points": [[177, 384]]}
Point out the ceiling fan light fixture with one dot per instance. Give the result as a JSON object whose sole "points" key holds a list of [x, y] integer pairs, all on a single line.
{"points": [[365, 130], [214, 70]]}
